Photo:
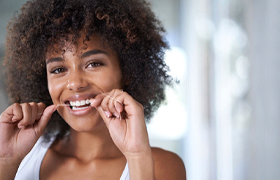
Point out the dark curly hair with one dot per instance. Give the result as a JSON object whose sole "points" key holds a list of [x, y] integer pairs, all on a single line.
{"points": [[128, 26]]}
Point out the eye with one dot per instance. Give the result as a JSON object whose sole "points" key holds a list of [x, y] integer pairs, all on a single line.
{"points": [[57, 70], [94, 64]]}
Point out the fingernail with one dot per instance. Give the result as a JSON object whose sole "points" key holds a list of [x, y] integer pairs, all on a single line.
{"points": [[118, 109], [54, 110], [116, 115], [92, 101], [20, 127], [108, 114]]}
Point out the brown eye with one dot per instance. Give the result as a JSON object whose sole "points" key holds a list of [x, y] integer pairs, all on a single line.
{"points": [[94, 64], [57, 70]]}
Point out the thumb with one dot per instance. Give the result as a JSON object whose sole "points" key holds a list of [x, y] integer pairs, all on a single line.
{"points": [[45, 119], [96, 102]]}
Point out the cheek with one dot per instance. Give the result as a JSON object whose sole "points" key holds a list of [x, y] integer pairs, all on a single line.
{"points": [[112, 81], [53, 88]]}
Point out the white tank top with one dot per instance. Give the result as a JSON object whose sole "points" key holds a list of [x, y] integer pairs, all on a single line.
{"points": [[29, 168]]}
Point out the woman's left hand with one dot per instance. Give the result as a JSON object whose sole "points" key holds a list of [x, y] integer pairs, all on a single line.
{"points": [[125, 120]]}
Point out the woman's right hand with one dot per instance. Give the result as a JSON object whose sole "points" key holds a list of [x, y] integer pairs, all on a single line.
{"points": [[21, 125]]}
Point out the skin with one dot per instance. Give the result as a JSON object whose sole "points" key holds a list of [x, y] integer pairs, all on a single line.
{"points": [[103, 137]]}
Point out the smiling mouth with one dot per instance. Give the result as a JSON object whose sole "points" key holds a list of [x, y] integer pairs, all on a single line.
{"points": [[78, 105]]}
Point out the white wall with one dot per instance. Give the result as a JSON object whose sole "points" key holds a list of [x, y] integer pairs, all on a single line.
{"points": [[263, 138]]}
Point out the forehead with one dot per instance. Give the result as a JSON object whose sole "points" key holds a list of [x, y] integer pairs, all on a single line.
{"points": [[79, 45]]}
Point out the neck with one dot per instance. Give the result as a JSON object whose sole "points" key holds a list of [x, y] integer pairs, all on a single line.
{"points": [[87, 146]]}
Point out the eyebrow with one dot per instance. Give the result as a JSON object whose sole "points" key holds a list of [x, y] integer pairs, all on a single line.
{"points": [[93, 52], [56, 59], [86, 54]]}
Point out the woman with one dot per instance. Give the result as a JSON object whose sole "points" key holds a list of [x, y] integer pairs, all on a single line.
{"points": [[99, 65]]}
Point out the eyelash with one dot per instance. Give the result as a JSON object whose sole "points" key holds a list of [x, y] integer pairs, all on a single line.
{"points": [[57, 70], [94, 64], [61, 69]]}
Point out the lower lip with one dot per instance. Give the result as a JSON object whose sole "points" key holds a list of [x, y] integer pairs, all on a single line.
{"points": [[80, 112]]}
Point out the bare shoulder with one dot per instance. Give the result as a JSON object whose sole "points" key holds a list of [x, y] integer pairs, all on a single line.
{"points": [[168, 165]]}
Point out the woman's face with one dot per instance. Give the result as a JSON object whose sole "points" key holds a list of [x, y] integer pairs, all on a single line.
{"points": [[78, 74]]}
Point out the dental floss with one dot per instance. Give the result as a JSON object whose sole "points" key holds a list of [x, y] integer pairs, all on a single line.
{"points": [[62, 105], [93, 98], [39, 114], [90, 103], [113, 98]]}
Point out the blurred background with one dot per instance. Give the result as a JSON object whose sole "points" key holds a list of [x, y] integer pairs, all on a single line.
{"points": [[223, 119]]}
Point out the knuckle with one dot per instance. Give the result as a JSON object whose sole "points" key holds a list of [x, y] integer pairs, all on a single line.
{"points": [[111, 106], [125, 93], [26, 105], [41, 104], [16, 105], [32, 103], [113, 92], [104, 105], [120, 91]]}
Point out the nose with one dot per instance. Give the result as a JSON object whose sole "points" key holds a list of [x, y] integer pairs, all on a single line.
{"points": [[76, 81]]}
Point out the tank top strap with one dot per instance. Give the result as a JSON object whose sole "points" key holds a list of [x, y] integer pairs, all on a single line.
{"points": [[125, 174]]}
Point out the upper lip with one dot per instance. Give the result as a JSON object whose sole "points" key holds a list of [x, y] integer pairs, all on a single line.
{"points": [[79, 97]]}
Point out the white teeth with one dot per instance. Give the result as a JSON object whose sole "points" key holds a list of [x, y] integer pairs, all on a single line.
{"points": [[78, 108], [83, 102], [79, 103]]}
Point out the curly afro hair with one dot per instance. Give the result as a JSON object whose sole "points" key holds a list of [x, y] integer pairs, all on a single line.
{"points": [[128, 26]]}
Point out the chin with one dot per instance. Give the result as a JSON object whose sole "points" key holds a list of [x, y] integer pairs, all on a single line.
{"points": [[86, 124]]}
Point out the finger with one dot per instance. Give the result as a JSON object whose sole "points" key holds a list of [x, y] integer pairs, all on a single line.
{"points": [[104, 106], [104, 116], [124, 102], [119, 94], [27, 115], [108, 103], [114, 93], [17, 112], [12, 114], [41, 108], [111, 104], [95, 102], [34, 111], [98, 99], [118, 104], [47, 114], [112, 108]]}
